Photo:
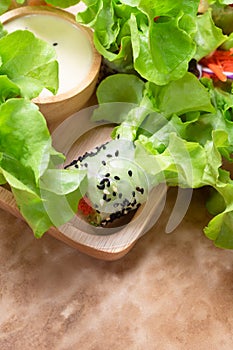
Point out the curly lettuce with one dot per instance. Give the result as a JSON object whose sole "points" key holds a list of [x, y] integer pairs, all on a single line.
{"points": [[183, 135], [155, 39], [28, 162]]}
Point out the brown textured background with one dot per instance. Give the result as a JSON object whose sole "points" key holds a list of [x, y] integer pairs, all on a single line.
{"points": [[171, 292]]}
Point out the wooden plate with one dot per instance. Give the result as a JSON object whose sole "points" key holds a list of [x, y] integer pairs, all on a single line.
{"points": [[74, 137]]}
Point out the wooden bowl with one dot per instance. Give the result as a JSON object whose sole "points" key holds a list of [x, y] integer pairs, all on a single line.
{"points": [[58, 107]]}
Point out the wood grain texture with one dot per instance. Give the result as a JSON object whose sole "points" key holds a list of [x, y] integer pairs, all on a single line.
{"points": [[106, 247], [102, 243]]}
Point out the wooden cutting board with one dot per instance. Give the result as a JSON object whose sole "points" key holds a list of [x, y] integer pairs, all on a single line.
{"points": [[74, 137]]}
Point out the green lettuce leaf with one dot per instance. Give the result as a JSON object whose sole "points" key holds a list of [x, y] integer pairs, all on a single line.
{"points": [[51, 202], [8, 89], [175, 97], [168, 7], [219, 228], [25, 138], [222, 225], [2, 178], [181, 164], [159, 56], [117, 95], [134, 101], [181, 132], [62, 3], [222, 15], [120, 88], [156, 39], [18, 62], [41, 215], [208, 36], [4, 5], [46, 195]]}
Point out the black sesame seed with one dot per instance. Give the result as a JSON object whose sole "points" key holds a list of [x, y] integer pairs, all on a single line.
{"points": [[139, 189], [125, 202], [55, 44], [130, 173], [116, 177], [118, 136], [72, 163], [101, 187], [103, 162], [107, 175], [109, 155], [117, 153], [97, 211], [112, 216], [104, 197], [76, 166], [120, 195], [86, 165], [108, 199], [108, 183], [133, 193], [114, 194]]}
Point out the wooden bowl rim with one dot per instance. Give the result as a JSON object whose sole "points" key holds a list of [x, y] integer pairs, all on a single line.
{"points": [[95, 67]]}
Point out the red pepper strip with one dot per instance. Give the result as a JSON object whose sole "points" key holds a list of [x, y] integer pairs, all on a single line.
{"points": [[218, 71], [85, 207], [206, 75], [219, 62]]}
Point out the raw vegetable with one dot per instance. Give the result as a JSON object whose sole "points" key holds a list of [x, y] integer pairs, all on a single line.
{"points": [[28, 162], [219, 65], [178, 129], [155, 39], [182, 146], [59, 3], [29, 72], [4, 5], [116, 184]]}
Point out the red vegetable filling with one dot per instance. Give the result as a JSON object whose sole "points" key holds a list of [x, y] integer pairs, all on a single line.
{"points": [[156, 18], [85, 207], [219, 62]]}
